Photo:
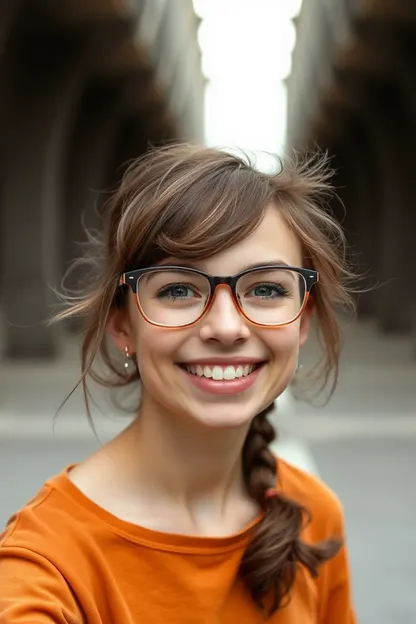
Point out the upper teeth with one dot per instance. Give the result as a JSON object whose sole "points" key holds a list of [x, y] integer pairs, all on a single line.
{"points": [[220, 372]]}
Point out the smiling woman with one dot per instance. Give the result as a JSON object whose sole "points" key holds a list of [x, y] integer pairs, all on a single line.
{"points": [[208, 273]]}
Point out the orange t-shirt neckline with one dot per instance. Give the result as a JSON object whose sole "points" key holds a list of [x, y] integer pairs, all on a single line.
{"points": [[151, 538]]}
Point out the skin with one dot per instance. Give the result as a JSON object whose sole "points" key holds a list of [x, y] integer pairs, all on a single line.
{"points": [[177, 467]]}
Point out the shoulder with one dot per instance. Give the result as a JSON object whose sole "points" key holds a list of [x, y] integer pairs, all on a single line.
{"points": [[27, 520], [35, 570], [310, 491], [326, 522], [50, 524]]}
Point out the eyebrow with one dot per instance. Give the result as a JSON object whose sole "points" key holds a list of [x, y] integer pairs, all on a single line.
{"points": [[265, 263], [256, 265]]}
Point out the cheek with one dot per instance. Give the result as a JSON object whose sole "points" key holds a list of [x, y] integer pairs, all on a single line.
{"points": [[283, 342], [284, 345], [155, 349]]}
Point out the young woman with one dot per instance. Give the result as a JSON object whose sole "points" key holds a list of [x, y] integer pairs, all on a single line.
{"points": [[206, 280]]}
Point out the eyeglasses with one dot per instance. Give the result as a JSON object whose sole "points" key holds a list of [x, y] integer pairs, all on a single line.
{"points": [[176, 296]]}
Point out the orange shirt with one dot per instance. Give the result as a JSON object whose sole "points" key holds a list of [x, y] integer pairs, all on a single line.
{"points": [[64, 560]]}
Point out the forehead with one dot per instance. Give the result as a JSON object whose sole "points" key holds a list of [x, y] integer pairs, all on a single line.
{"points": [[271, 242]]}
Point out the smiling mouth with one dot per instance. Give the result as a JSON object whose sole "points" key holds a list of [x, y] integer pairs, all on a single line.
{"points": [[221, 373]]}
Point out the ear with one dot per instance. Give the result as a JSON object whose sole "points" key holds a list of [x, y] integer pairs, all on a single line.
{"points": [[120, 329], [305, 322]]}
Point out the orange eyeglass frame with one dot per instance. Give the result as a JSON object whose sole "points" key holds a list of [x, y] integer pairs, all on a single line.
{"points": [[130, 278]]}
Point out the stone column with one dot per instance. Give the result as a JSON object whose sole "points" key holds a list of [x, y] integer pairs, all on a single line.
{"points": [[388, 133], [404, 73], [91, 155], [45, 79], [363, 202]]}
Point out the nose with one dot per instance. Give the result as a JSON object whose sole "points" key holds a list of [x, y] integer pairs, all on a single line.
{"points": [[223, 321]]}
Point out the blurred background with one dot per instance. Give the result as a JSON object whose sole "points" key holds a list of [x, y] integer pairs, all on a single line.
{"points": [[86, 85]]}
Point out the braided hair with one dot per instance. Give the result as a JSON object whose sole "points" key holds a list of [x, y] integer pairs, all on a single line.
{"points": [[270, 562]]}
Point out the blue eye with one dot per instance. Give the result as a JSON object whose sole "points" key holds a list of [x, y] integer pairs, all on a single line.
{"points": [[269, 291], [176, 291]]}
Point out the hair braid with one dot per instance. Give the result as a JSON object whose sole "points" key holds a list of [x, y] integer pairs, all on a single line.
{"points": [[270, 562], [259, 462]]}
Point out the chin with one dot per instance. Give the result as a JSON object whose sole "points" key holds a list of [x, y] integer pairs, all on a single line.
{"points": [[223, 415]]}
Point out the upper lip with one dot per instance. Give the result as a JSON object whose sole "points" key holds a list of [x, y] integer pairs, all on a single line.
{"points": [[222, 361]]}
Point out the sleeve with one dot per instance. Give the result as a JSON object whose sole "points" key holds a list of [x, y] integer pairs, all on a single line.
{"points": [[33, 590], [339, 606]]}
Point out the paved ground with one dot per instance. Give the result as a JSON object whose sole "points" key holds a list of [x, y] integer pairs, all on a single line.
{"points": [[363, 444], [376, 482]]}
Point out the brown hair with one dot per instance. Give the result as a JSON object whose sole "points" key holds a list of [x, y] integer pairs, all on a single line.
{"points": [[191, 203]]}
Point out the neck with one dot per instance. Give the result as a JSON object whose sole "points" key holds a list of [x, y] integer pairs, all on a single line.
{"points": [[184, 460]]}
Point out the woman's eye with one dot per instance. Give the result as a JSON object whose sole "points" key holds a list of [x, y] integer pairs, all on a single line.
{"points": [[268, 291], [176, 291]]}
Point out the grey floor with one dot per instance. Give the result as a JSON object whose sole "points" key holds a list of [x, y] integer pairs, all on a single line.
{"points": [[375, 480]]}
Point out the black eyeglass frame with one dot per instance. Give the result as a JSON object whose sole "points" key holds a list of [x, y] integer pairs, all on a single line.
{"points": [[131, 278]]}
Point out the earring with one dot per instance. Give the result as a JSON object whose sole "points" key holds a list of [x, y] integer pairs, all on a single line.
{"points": [[128, 357]]}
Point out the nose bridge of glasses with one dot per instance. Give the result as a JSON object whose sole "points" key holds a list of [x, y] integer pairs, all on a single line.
{"points": [[224, 283]]}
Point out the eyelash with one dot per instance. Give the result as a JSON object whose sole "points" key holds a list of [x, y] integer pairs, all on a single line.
{"points": [[166, 289]]}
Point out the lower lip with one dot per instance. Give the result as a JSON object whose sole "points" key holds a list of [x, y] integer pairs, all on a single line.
{"points": [[232, 386]]}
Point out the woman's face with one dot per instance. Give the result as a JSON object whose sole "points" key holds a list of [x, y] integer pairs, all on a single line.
{"points": [[223, 337]]}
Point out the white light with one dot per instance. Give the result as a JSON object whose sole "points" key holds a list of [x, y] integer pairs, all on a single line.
{"points": [[234, 70], [283, 8], [227, 53], [252, 33], [245, 117], [247, 50]]}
